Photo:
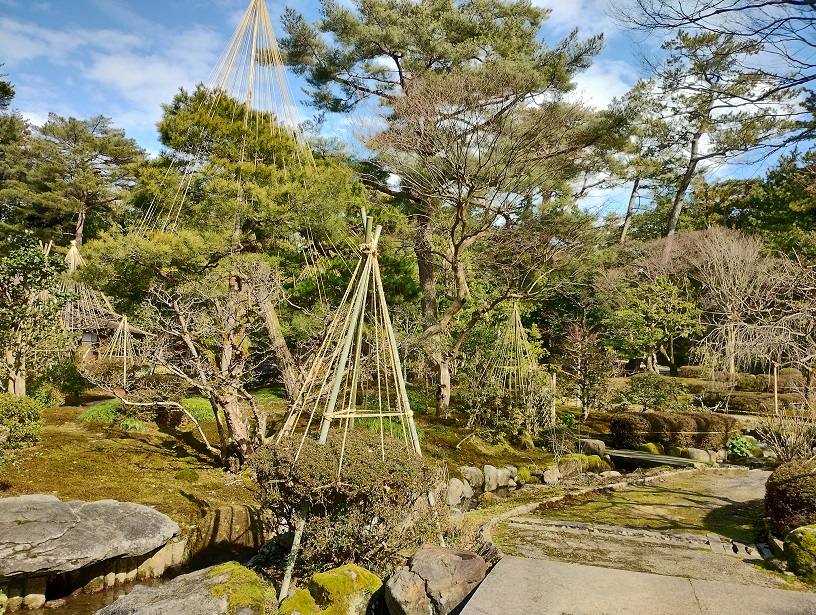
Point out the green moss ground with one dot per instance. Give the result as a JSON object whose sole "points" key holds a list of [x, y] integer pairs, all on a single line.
{"points": [[679, 505], [89, 461]]}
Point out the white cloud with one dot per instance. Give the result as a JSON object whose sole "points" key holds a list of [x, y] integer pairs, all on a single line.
{"points": [[603, 81], [589, 16]]}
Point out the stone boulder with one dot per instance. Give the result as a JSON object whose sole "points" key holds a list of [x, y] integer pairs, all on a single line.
{"points": [[219, 590], [551, 475], [513, 471], [346, 590], [590, 446], [698, 454], [435, 582], [472, 475], [455, 491], [468, 491], [611, 474], [491, 478], [39, 534], [503, 477], [800, 551]]}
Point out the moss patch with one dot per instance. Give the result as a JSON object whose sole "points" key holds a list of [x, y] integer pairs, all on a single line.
{"points": [[93, 461], [337, 589], [679, 505], [242, 588], [800, 551], [301, 602]]}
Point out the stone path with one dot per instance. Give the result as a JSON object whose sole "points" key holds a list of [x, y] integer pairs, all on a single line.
{"points": [[685, 548], [664, 562], [539, 587]]}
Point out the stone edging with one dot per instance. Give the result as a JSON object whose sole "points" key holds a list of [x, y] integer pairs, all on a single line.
{"points": [[485, 530]]}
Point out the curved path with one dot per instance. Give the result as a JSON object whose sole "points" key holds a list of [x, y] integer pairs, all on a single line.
{"points": [[682, 544]]}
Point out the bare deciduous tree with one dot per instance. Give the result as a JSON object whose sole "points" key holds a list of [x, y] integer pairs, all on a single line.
{"points": [[490, 164]]}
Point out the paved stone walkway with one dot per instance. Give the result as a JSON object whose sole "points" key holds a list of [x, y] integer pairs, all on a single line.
{"points": [[543, 587]]}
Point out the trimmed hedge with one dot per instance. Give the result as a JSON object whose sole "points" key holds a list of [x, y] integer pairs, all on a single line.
{"points": [[695, 371], [790, 496], [680, 430], [22, 417]]}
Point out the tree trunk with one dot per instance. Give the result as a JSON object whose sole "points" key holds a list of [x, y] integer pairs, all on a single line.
{"points": [[283, 357], [679, 198], [651, 361], [80, 227], [630, 211], [691, 167], [443, 390], [240, 442], [16, 375], [423, 248]]}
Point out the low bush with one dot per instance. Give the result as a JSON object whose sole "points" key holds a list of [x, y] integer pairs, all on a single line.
{"points": [[629, 430], [371, 515], [103, 412], [47, 395], [740, 447], [749, 383], [655, 392], [695, 371], [680, 430], [790, 496], [22, 419]]}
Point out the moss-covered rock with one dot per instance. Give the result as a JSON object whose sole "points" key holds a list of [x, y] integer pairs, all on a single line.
{"points": [[800, 551], [242, 589], [572, 464], [653, 448], [301, 603], [790, 496], [346, 590]]}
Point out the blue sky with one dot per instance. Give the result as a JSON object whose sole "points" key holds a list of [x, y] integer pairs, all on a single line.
{"points": [[124, 58]]}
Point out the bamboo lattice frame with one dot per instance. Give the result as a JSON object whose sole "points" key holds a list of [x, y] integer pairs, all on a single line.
{"points": [[358, 358]]}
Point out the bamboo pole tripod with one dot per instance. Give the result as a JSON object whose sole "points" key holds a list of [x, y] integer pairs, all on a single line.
{"points": [[356, 375]]}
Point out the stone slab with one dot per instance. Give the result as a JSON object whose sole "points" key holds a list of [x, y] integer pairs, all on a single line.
{"points": [[543, 587], [40, 534], [716, 598]]}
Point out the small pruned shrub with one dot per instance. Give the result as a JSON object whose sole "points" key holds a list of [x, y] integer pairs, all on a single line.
{"points": [[695, 371], [629, 430], [790, 496], [21, 420], [680, 430], [790, 382], [371, 515], [749, 383]]}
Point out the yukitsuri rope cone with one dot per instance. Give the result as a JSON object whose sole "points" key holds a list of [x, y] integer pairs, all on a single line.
{"points": [[355, 375], [251, 72]]}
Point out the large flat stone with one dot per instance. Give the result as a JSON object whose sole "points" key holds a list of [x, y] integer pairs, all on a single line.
{"points": [[543, 587], [40, 534]]}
